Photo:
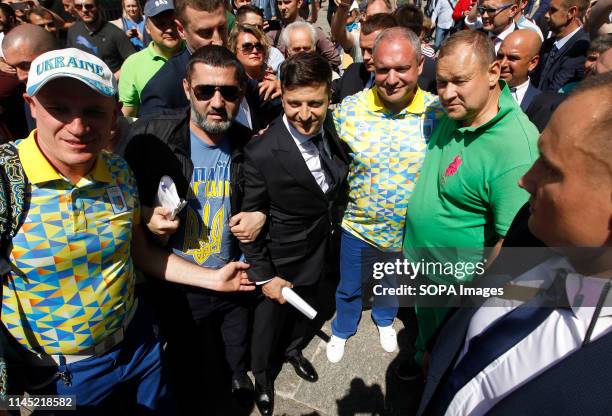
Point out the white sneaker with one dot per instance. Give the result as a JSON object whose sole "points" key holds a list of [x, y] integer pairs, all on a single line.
{"points": [[388, 338], [335, 349]]}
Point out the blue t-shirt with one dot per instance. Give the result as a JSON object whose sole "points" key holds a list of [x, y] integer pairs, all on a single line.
{"points": [[204, 236]]}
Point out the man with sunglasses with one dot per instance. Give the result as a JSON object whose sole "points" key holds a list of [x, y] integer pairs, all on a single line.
{"points": [[200, 149], [100, 38], [140, 67], [499, 18]]}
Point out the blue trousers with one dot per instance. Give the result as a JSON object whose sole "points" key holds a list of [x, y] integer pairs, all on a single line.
{"points": [[355, 254], [133, 367], [440, 35]]}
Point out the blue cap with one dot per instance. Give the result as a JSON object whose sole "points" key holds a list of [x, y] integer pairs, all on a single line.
{"points": [[155, 7]]}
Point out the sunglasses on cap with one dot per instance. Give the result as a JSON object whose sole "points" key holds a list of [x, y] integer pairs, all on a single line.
{"points": [[81, 6], [247, 47], [206, 92]]}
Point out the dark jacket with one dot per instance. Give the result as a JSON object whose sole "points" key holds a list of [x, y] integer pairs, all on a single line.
{"points": [[567, 65], [542, 107], [160, 145], [531, 93], [300, 221]]}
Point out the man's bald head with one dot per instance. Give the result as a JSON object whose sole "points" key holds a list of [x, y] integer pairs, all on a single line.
{"points": [[575, 160], [525, 39], [23, 44], [518, 55]]}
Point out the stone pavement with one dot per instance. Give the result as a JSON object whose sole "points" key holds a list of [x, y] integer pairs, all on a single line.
{"points": [[363, 383]]}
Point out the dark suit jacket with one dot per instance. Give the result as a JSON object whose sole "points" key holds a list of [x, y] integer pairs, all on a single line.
{"points": [[577, 385], [357, 76], [567, 66], [277, 181], [542, 107], [165, 90], [530, 94]]}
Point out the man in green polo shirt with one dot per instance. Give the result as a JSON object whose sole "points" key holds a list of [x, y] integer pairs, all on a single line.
{"points": [[468, 193], [140, 67]]}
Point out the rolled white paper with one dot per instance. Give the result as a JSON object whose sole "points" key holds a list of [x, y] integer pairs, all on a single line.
{"points": [[298, 303]]}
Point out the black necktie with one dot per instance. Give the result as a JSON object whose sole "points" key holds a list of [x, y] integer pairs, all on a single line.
{"points": [[499, 338], [323, 157], [549, 61]]}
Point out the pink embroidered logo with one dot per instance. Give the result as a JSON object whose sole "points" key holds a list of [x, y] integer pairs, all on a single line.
{"points": [[453, 166]]}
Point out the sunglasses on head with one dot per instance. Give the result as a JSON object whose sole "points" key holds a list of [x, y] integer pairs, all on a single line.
{"points": [[206, 92], [81, 6], [247, 47]]}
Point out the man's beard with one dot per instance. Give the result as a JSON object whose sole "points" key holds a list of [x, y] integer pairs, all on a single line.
{"points": [[211, 127]]}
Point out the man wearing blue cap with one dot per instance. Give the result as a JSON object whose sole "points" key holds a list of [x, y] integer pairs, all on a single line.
{"points": [[140, 67], [69, 314]]}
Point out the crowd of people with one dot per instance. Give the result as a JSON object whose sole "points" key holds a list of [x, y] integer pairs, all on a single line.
{"points": [[299, 157]]}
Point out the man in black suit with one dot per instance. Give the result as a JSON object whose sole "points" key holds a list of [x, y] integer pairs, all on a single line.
{"points": [[518, 55], [562, 56], [294, 172], [549, 360]]}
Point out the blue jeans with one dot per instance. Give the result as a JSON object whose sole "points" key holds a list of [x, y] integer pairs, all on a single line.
{"points": [[440, 35], [354, 253], [134, 365]]}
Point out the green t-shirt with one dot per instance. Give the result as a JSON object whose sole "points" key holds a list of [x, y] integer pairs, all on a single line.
{"points": [[136, 71], [468, 193]]}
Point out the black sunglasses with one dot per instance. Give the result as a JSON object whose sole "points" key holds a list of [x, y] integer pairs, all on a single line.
{"points": [[206, 92], [247, 47], [82, 6], [492, 11]]}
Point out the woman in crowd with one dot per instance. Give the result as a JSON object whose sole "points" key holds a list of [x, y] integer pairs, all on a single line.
{"points": [[251, 47], [132, 23]]}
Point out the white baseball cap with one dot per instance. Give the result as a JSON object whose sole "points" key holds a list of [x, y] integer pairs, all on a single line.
{"points": [[71, 63]]}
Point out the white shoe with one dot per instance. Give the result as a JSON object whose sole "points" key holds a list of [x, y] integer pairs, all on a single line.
{"points": [[388, 338], [335, 349]]}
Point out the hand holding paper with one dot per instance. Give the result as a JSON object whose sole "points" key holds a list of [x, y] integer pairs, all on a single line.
{"points": [[168, 198], [298, 303]]}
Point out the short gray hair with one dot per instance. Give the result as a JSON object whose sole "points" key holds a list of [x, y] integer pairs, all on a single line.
{"points": [[399, 33], [298, 25]]}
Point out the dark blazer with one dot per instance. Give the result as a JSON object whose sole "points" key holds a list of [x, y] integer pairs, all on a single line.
{"points": [[357, 76], [164, 91], [530, 94], [542, 107], [577, 385], [567, 66], [277, 181]]}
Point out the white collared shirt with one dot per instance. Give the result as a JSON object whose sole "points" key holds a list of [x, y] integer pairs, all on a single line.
{"points": [[244, 114], [561, 42], [498, 39], [519, 91], [310, 153], [559, 335]]}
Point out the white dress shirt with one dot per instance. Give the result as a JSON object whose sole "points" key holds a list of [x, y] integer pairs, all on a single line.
{"points": [[519, 91], [310, 153], [559, 335], [244, 114], [561, 42]]}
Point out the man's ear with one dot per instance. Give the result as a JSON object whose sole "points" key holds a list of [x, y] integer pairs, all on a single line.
{"points": [[420, 63], [494, 73], [180, 29], [533, 63], [572, 12], [31, 103], [186, 89]]}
